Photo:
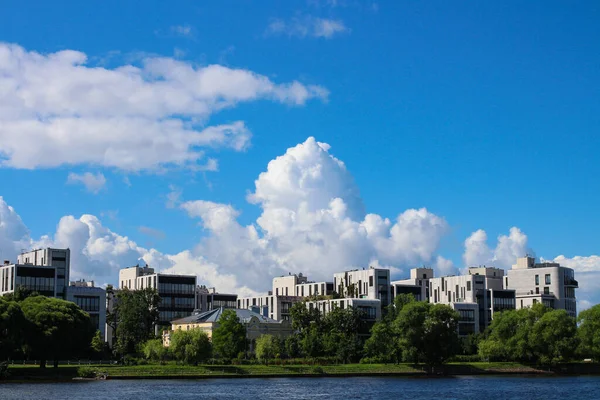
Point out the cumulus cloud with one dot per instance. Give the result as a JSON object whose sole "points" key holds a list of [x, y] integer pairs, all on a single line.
{"points": [[14, 235], [56, 110], [313, 221], [307, 26], [508, 249], [93, 183]]}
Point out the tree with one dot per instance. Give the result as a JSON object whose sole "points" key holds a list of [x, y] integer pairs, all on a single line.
{"points": [[59, 329], [98, 345], [311, 342], [267, 348], [12, 325], [427, 333], [136, 313], [303, 316], [341, 334], [154, 350], [191, 347], [292, 346], [554, 337], [589, 333], [229, 337], [382, 344]]}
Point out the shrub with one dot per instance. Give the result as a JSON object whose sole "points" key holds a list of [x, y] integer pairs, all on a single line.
{"points": [[86, 372]]}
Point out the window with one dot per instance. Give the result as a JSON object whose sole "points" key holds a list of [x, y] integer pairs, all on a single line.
{"points": [[547, 279], [535, 301], [276, 291], [468, 286], [546, 290], [537, 290], [424, 276], [521, 303], [371, 281], [537, 279]]}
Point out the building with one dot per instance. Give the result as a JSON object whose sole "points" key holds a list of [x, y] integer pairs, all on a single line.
{"points": [[547, 283], [255, 323], [208, 299], [269, 305], [417, 284], [90, 299], [371, 309], [371, 283], [60, 259], [177, 292], [476, 296]]}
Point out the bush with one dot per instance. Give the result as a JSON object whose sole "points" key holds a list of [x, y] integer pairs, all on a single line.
{"points": [[86, 372], [467, 358], [317, 370]]}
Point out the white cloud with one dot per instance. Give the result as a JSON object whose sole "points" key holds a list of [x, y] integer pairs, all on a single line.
{"points": [[313, 221], [307, 26], [14, 235], [55, 110], [93, 183], [509, 248], [183, 31]]}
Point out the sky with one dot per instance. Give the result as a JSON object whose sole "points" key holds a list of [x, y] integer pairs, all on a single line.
{"points": [[240, 140]]}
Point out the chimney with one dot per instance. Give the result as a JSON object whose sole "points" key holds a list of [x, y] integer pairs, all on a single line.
{"points": [[6, 262]]}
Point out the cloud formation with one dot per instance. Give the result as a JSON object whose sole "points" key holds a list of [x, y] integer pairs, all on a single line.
{"points": [[508, 249], [56, 110], [307, 26], [93, 183]]}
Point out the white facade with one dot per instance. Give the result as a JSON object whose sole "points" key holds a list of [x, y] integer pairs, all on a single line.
{"points": [[371, 309], [286, 285], [481, 290], [90, 299], [417, 284], [59, 259], [546, 283], [271, 306], [371, 283]]}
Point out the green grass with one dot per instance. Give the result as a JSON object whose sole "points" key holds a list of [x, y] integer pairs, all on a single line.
{"points": [[64, 372]]}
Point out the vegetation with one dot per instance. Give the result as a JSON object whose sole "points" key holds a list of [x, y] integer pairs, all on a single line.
{"points": [[135, 316], [229, 337], [190, 347], [589, 333], [268, 347]]}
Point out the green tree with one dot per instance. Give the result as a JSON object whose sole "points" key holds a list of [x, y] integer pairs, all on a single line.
{"points": [[589, 333], [154, 350], [382, 344], [267, 348], [136, 313], [341, 334], [59, 329], [303, 316], [12, 326], [427, 333], [292, 346], [554, 337], [397, 305], [312, 342], [98, 346], [191, 347], [229, 337]]}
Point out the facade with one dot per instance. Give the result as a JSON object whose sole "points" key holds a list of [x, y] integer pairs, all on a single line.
{"points": [[417, 284], [546, 283], [256, 325], [371, 309], [272, 306], [60, 259], [371, 283], [177, 292], [34, 278], [208, 299], [481, 292], [90, 299]]}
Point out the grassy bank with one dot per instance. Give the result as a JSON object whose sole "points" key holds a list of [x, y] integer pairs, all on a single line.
{"points": [[172, 370]]}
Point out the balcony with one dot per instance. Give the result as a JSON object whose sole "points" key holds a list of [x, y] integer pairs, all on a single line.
{"points": [[571, 282]]}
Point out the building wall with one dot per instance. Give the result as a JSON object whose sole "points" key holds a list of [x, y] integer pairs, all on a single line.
{"points": [[543, 279], [371, 283], [93, 301], [286, 285], [272, 306], [35, 278], [50, 257], [371, 308]]}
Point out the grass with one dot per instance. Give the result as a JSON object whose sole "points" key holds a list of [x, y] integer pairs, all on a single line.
{"points": [[171, 369]]}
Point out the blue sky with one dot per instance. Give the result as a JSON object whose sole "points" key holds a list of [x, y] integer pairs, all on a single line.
{"points": [[485, 113]]}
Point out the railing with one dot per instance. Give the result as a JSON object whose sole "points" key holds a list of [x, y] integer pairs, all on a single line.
{"points": [[571, 282]]}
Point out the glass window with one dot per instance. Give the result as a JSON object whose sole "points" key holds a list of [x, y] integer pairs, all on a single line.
{"points": [[468, 286], [546, 290], [370, 281], [547, 279], [537, 279]]}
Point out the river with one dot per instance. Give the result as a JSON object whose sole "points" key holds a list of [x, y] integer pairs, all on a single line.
{"points": [[463, 387]]}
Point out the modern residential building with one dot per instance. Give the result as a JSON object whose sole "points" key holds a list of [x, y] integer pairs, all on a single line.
{"points": [[371, 283], [255, 323], [371, 309], [177, 292], [60, 259], [90, 299], [209, 299], [547, 283], [417, 284], [269, 305], [480, 292]]}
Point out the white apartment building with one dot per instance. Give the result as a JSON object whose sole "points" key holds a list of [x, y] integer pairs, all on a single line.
{"points": [[476, 296], [209, 299], [417, 284], [547, 283], [45, 271], [90, 299], [177, 292], [270, 305], [370, 309], [371, 283]]}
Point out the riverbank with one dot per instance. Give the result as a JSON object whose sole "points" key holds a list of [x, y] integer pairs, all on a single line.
{"points": [[173, 371]]}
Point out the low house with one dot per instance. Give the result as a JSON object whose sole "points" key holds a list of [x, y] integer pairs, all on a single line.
{"points": [[255, 323]]}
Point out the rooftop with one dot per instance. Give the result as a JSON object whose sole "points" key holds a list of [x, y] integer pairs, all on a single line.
{"points": [[215, 315]]}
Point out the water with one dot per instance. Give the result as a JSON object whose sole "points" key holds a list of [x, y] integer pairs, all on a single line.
{"points": [[464, 387]]}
